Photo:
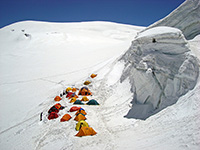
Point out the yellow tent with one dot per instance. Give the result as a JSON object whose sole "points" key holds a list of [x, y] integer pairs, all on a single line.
{"points": [[87, 82], [73, 99], [84, 98], [81, 124], [84, 131], [68, 89]]}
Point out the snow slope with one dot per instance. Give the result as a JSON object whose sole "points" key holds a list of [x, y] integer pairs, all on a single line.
{"points": [[186, 18], [38, 60]]}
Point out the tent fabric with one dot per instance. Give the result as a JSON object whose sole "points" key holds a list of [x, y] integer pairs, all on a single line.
{"points": [[85, 131], [72, 95], [87, 82], [92, 102], [80, 117], [57, 98], [73, 100], [82, 111], [93, 75], [68, 89], [73, 90], [84, 98], [53, 115], [84, 91], [59, 106], [78, 102], [66, 117], [69, 94], [74, 108], [56, 108], [53, 109], [81, 124]]}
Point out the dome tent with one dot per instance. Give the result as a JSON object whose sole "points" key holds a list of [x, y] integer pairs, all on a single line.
{"points": [[80, 117], [87, 82], [92, 102], [81, 124], [82, 111], [93, 75], [84, 98], [73, 99], [66, 117], [74, 108], [57, 98], [53, 115], [84, 91], [78, 102], [84, 131]]}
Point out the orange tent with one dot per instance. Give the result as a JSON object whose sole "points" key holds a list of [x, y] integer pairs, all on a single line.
{"points": [[84, 91], [58, 105], [57, 98], [93, 75], [80, 117], [74, 90], [84, 131], [72, 95], [81, 111], [66, 117]]}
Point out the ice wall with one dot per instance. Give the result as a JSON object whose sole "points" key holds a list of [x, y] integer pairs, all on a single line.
{"points": [[160, 69]]}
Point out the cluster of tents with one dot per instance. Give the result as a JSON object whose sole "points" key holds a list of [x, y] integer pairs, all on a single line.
{"points": [[80, 115]]}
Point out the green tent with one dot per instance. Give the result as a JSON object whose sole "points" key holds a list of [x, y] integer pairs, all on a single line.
{"points": [[78, 102], [92, 102]]}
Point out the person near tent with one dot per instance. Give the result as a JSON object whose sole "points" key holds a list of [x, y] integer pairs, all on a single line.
{"points": [[81, 125]]}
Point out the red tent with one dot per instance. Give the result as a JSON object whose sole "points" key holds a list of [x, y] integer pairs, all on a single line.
{"points": [[53, 115], [74, 108], [69, 94]]}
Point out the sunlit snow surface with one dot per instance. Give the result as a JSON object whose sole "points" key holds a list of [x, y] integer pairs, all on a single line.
{"points": [[38, 60]]}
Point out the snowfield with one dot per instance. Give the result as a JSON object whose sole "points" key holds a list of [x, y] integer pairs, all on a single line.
{"points": [[38, 60]]}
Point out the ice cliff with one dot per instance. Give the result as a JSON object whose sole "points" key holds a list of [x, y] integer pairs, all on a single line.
{"points": [[186, 18], [160, 68]]}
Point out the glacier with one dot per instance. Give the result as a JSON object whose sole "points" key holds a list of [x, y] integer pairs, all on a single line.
{"points": [[161, 68]]}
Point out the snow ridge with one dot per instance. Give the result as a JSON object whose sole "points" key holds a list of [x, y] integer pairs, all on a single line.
{"points": [[186, 18]]}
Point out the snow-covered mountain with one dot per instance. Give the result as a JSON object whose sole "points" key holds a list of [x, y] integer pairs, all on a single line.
{"points": [[38, 60], [185, 17]]}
